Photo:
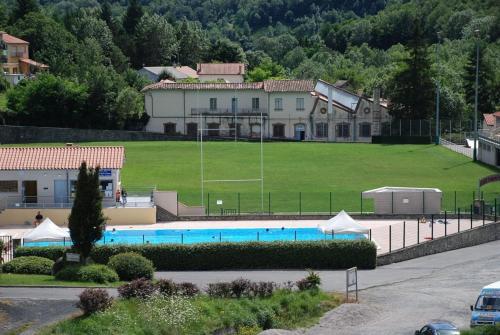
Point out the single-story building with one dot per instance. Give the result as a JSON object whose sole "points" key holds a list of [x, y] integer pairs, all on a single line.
{"points": [[405, 200], [223, 72], [174, 72]]}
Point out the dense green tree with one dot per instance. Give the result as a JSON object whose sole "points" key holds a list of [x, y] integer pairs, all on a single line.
{"points": [[411, 89], [155, 41], [86, 221], [225, 51], [132, 17], [266, 70], [48, 101], [193, 43], [22, 8], [129, 107]]}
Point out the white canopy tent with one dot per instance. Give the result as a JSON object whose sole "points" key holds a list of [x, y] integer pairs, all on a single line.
{"points": [[47, 231], [342, 223]]}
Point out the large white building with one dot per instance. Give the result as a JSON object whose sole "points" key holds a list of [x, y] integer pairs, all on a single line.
{"points": [[282, 109]]}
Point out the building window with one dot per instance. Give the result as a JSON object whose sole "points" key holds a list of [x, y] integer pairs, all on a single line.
{"points": [[365, 130], [278, 104], [192, 129], [8, 186], [342, 130], [213, 129], [255, 130], [255, 103], [278, 130], [235, 129], [322, 129], [169, 128], [300, 104], [234, 105], [213, 104]]}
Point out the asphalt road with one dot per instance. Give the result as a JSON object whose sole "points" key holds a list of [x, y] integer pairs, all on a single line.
{"points": [[394, 299]]}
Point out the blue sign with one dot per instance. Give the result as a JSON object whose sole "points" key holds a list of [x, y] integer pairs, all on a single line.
{"points": [[105, 173]]}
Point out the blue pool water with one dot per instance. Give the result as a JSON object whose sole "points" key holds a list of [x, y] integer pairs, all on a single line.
{"points": [[190, 236]]}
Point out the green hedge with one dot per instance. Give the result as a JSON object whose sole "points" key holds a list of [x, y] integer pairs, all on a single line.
{"points": [[339, 254], [401, 139], [29, 265]]}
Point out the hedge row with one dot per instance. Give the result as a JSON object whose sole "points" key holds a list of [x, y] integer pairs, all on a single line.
{"points": [[339, 254], [401, 139]]}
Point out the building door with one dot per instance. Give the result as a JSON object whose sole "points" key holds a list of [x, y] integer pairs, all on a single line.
{"points": [[60, 191], [30, 191], [300, 132]]}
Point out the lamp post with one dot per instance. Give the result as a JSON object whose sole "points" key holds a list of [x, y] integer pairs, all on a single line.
{"points": [[474, 154], [438, 130]]}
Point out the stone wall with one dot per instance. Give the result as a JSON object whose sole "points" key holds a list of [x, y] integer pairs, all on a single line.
{"points": [[468, 238], [25, 134]]}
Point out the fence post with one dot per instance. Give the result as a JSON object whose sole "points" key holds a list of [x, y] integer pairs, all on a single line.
{"points": [[432, 227], [473, 196], [239, 208], [208, 204], [459, 219], [418, 231], [482, 210], [182, 238], [330, 203], [361, 198], [390, 239], [300, 203], [257, 236], [471, 208], [269, 200], [495, 209], [177, 203], [404, 234], [423, 202], [455, 202], [295, 235], [445, 224], [220, 236], [370, 234]]}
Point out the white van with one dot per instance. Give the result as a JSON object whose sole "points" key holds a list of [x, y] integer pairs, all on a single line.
{"points": [[486, 311]]}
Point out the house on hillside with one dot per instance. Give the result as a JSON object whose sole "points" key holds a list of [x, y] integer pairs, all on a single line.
{"points": [[280, 109], [14, 58], [175, 73], [225, 72], [491, 121]]}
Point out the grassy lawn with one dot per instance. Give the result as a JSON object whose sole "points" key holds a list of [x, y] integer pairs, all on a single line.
{"points": [[8, 279], [314, 169], [204, 315]]}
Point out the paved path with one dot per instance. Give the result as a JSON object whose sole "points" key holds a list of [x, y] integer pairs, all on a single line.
{"points": [[394, 299]]}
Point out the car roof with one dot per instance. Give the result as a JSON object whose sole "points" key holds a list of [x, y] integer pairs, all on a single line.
{"points": [[493, 285], [441, 324]]}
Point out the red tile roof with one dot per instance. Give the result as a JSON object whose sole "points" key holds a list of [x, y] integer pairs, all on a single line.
{"points": [[32, 62], [490, 119], [9, 39], [203, 86], [224, 68], [289, 85], [60, 158]]}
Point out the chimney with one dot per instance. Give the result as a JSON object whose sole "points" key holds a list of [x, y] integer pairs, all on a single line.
{"points": [[376, 99], [198, 68]]}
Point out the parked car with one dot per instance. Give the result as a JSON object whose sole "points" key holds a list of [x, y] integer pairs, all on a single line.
{"points": [[486, 311], [438, 327]]}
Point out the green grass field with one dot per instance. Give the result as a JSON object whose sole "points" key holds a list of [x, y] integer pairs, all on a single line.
{"points": [[313, 169]]}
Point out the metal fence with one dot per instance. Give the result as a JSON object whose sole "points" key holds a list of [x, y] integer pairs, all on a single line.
{"points": [[7, 252], [307, 203]]}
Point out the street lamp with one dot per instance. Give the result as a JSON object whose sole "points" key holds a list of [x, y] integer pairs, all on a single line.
{"points": [[474, 154], [438, 130]]}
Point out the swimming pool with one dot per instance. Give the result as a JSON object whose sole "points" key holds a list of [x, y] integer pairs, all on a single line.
{"points": [[190, 236]]}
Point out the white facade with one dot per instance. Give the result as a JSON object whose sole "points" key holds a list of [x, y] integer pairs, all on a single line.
{"points": [[228, 78], [489, 151]]}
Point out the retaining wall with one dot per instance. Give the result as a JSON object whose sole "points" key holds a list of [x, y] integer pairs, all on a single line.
{"points": [[467, 238]]}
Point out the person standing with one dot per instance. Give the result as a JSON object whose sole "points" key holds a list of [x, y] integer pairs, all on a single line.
{"points": [[124, 197], [117, 197], [38, 219]]}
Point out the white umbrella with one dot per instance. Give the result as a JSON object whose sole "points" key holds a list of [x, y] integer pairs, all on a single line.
{"points": [[47, 231], [342, 223]]}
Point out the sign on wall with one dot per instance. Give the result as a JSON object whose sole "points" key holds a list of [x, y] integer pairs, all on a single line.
{"points": [[105, 173]]}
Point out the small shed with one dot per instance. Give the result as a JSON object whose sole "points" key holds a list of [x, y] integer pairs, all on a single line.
{"points": [[405, 200]]}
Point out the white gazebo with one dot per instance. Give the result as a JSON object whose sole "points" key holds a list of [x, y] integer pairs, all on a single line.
{"points": [[47, 231], [342, 223]]}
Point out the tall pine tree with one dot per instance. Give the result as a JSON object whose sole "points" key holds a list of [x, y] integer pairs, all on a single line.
{"points": [[487, 93], [22, 8], [86, 221], [411, 90], [132, 17]]}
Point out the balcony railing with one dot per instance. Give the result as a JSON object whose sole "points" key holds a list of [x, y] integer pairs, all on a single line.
{"points": [[229, 111]]}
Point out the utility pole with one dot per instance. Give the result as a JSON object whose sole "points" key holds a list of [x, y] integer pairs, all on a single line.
{"points": [[475, 96], [438, 130]]}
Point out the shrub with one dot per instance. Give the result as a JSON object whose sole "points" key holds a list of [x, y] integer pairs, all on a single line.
{"points": [[219, 290], [29, 265], [69, 272], [330, 254], [240, 287], [265, 319], [97, 273], [167, 287], [187, 289], [139, 288], [262, 289], [94, 300], [311, 282], [131, 265]]}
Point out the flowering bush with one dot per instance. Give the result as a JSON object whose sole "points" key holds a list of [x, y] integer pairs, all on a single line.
{"points": [[140, 288], [94, 300], [168, 312]]}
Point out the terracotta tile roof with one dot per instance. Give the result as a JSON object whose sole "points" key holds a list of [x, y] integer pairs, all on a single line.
{"points": [[491, 119], [32, 62], [9, 39], [60, 158], [224, 68], [203, 86], [289, 85]]}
